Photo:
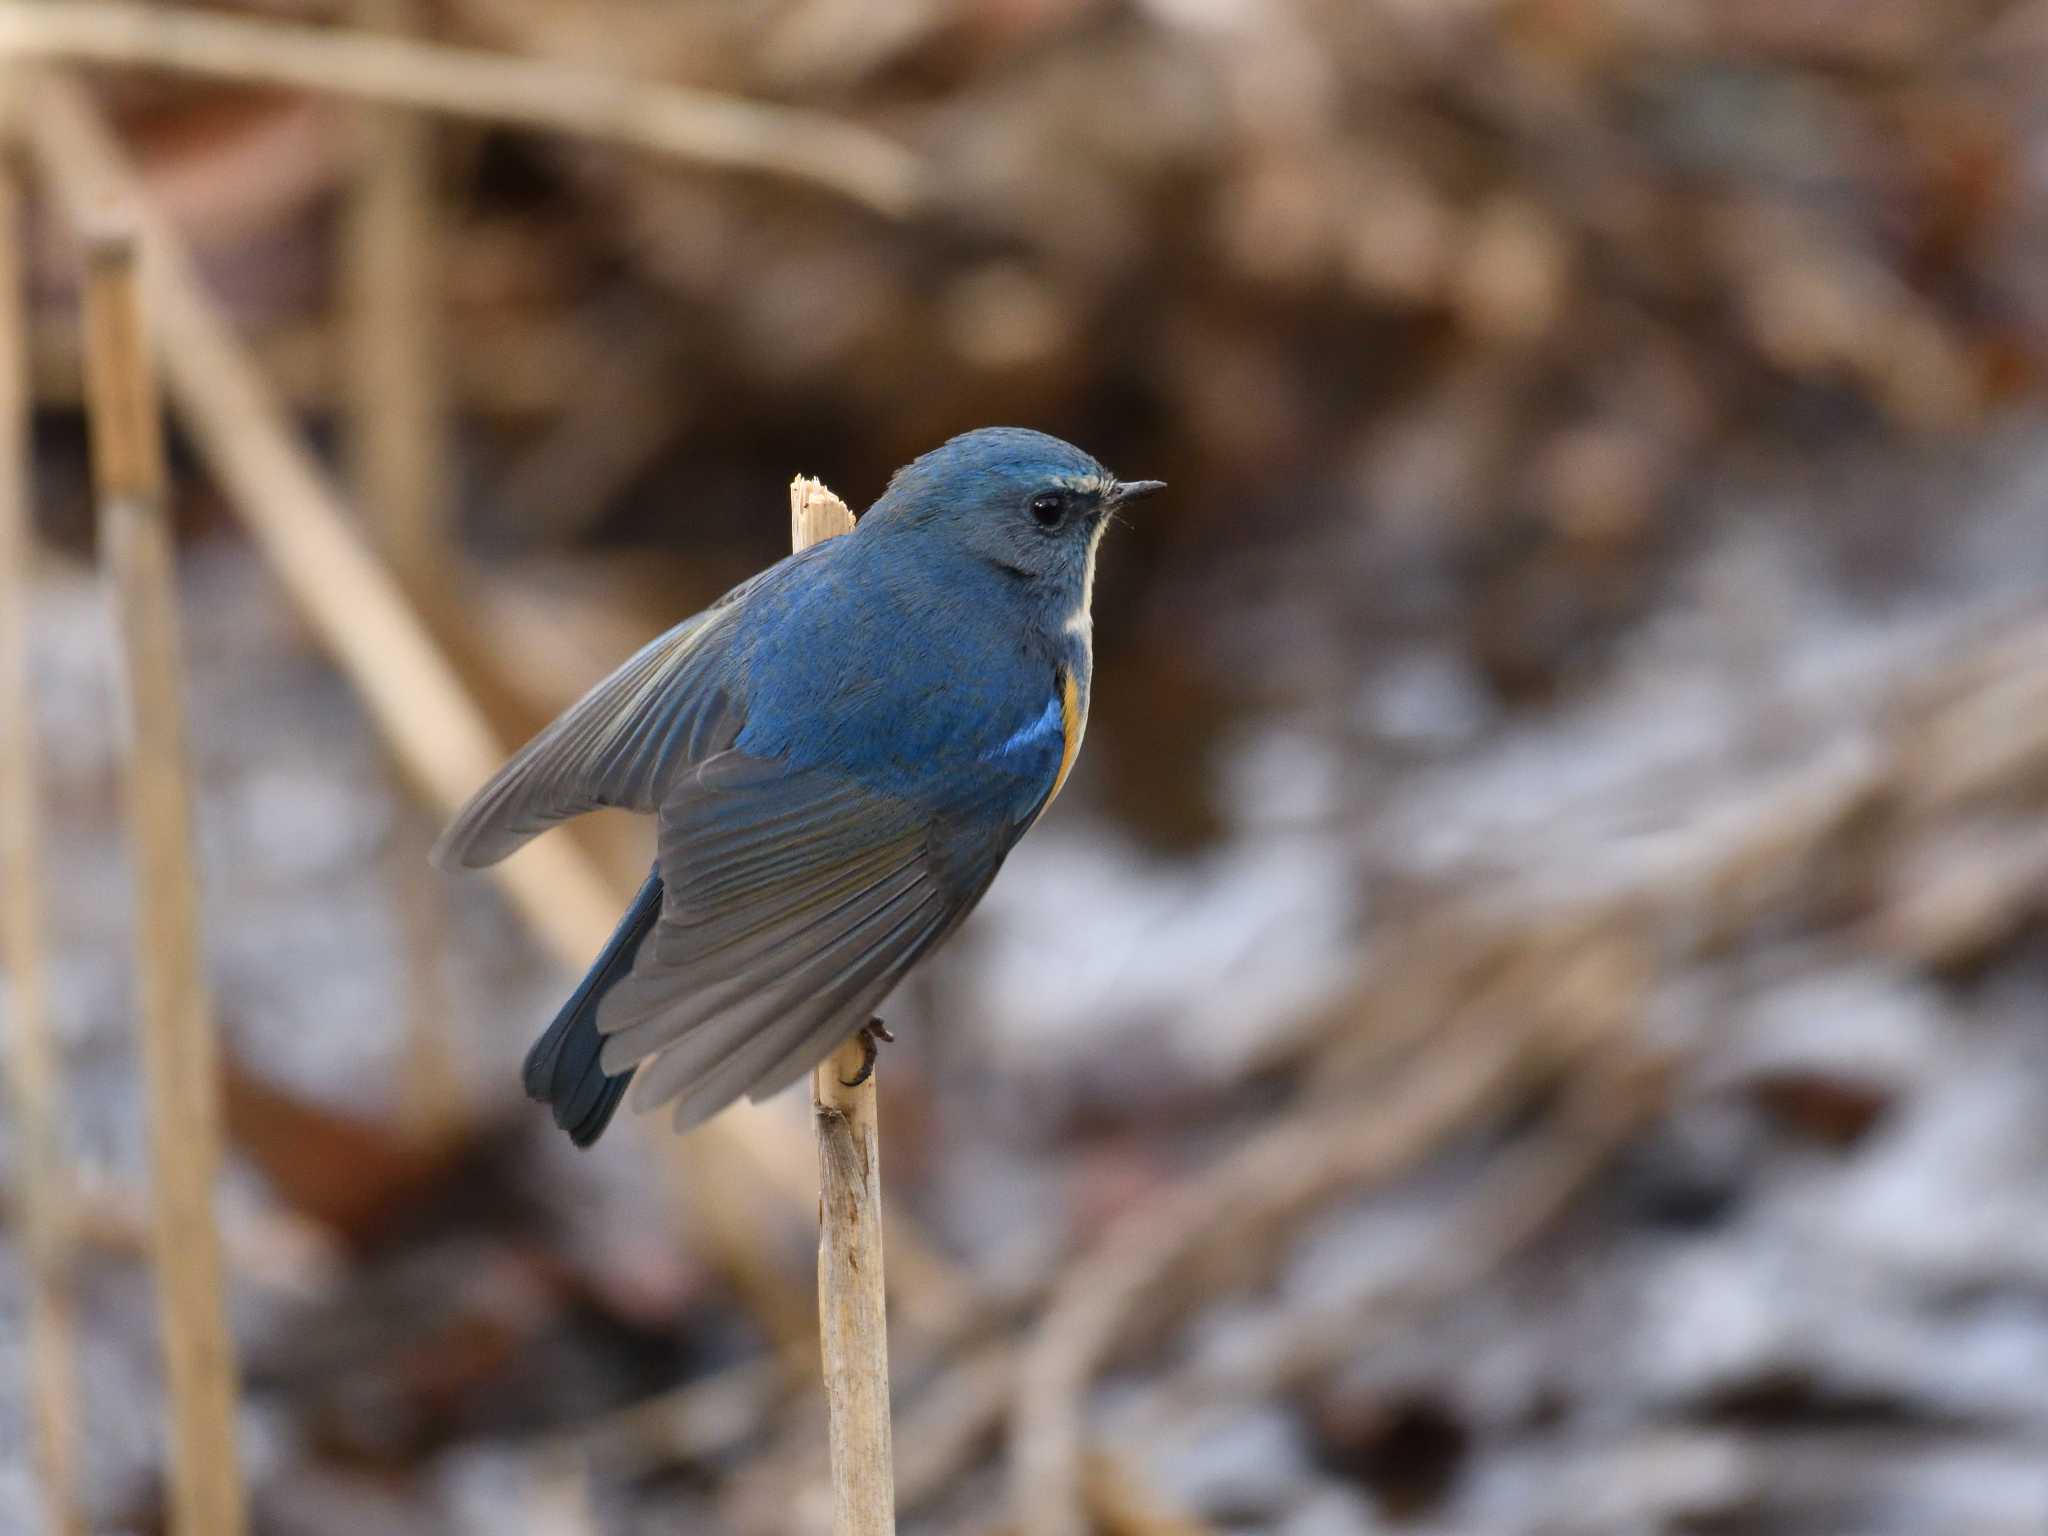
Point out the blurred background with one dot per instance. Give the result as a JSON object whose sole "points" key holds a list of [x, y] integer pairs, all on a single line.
{"points": [[1530, 1015]]}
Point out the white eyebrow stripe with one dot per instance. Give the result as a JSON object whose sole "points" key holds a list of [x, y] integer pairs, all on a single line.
{"points": [[1049, 725]]}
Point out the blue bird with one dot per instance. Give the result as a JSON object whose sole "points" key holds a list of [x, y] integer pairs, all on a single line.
{"points": [[839, 754]]}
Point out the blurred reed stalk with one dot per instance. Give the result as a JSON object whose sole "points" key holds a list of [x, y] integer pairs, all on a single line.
{"points": [[397, 441], [417, 698], [397, 388], [180, 1055], [302, 526], [716, 1200], [852, 1300], [32, 1075], [701, 127]]}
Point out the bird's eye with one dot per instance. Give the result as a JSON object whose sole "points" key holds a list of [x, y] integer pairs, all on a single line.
{"points": [[1048, 507]]}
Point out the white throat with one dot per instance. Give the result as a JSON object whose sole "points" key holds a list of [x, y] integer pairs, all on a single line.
{"points": [[1081, 622]]}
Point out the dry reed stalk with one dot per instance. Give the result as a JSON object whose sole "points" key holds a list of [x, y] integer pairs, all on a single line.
{"points": [[523, 371], [31, 1055], [1561, 998], [397, 391], [954, 1421], [1608, 1099], [558, 1502], [273, 1250], [412, 692], [692, 125], [1119, 1504], [706, 1418], [852, 1305], [435, 1103], [303, 527], [714, 1201], [623, 408], [947, 1304], [398, 459], [179, 1051]]}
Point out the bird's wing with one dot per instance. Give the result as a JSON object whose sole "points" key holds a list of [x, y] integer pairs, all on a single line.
{"points": [[796, 899], [669, 706]]}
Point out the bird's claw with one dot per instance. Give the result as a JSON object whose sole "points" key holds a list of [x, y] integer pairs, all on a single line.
{"points": [[873, 1035]]}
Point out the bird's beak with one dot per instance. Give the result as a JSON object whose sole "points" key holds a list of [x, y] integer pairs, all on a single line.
{"points": [[1136, 490]]}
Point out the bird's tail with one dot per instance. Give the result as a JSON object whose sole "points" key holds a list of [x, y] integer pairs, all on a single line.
{"points": [[562, 1069]]}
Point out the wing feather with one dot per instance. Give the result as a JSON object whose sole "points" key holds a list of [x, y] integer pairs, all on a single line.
{"points": [[803, 1012], [614, 747], [795, 901], [669, 708]]}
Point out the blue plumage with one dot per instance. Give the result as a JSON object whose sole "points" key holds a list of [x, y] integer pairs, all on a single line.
{"points": [[563, 1068], [1044, 738], [839, 755]]}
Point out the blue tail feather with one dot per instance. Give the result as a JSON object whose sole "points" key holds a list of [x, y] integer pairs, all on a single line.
{"points": [[563, 1068]]}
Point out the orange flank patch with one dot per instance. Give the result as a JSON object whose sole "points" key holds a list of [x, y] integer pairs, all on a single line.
{"points": [[1072, 724]]}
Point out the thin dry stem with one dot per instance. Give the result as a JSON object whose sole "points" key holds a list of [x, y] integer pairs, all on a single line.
{"points": [[1516, 1028], [302, 526], [397, 391], [31, 1056], [412, 692], [815, 514], [1612, 1096], [272, 1250], [523, 370], [954, 1422], [708, 1417], [698, 126], [623, 408], [180, 1057], [398, 458], [852, 1304], [717, 1202], [436, 1105], [1118, 1504]]}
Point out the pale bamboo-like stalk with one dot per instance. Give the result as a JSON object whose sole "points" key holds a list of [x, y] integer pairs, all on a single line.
{"points": [[697, 126], [717, 1205], [349, 599], [180, 1055], [852, 1304], [302, 525], [32, 1075], [397, 440], [391, 277]]}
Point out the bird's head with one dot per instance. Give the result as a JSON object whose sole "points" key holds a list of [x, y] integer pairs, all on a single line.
{"points": [[1026, 502]]}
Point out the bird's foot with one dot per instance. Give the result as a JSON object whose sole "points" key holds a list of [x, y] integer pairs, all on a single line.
{"points": [[873, 1036]]}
